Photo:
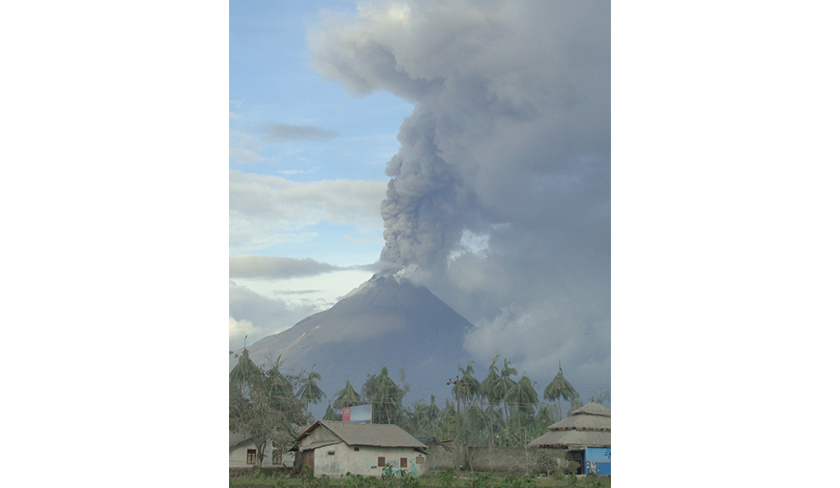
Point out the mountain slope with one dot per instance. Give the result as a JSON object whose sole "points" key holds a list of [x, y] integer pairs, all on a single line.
{"points": [[383, 323]]}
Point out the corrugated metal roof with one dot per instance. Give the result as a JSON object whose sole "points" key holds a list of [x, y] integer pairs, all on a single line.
{"points": [[378, 435]]}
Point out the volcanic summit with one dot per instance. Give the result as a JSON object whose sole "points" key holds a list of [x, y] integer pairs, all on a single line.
{"points": [[386, 322]]}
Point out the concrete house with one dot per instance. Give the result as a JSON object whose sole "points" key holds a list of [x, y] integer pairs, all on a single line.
{"points": [[243, 454], [584, 435], [334, 448]]}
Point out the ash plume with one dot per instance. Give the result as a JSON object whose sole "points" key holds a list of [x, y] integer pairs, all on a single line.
{"points": [[508, 141]]}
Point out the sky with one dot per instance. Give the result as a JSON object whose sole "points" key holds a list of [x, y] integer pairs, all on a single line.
{"points": [[306, 171], [491, 120]]}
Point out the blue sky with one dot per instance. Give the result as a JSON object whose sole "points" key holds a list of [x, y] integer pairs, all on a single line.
{"points": [[272, 82], [299, 136]]}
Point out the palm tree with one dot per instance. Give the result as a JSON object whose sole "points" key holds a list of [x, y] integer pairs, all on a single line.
{"points": [[386, 396], [506, 383], [490, 389], [465, 388], [426, 416], [560, 388], [309, 391], [524, 397], [346, 397], [244, 374]]}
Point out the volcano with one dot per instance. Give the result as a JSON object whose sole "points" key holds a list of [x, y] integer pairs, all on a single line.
{"points": [[384, 323]]}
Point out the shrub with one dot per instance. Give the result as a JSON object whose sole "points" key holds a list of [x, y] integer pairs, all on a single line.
{"points": [[517, 482], [408, 481], [481, 480], [359, 481], [448, 478], [546, 463], [313, 482], [389, 477]]}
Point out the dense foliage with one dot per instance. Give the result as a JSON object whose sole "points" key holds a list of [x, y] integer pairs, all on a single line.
{"points": [[499, 410], [262, 405]]}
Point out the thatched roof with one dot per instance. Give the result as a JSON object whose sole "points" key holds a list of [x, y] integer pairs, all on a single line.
{"points": [[587, 426], [592, 408], [379, 435]]}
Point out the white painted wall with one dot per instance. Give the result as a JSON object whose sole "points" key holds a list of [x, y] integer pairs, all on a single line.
{"points": [[239, 457], [364, 461]]}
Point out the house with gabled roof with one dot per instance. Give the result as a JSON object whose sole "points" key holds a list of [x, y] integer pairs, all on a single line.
{"points": [[243, 453], [334, 448]]}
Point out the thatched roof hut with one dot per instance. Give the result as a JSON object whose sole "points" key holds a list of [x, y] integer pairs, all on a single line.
{"points": [[587, 426]]}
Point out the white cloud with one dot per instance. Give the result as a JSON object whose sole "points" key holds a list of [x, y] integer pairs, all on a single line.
{"points": [[254, 266], [237, 331], [245, 150], [244, 156], [257, 315], [266, 210]]}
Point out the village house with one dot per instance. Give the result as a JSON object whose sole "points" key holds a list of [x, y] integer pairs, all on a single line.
{"points": [[585, 437], [243, 454], [334, 448]]}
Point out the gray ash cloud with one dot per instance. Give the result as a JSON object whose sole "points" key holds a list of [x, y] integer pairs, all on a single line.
{"points": [[509, 140]]}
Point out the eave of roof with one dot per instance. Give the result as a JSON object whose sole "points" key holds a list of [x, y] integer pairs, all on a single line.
{"points": [[377, 435], [570, 439]]}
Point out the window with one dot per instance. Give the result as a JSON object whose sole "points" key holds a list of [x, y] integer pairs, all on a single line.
{"points": [[252, 456], [330, 453], [277, 457], [403, 462], [421, 460], [356, 449], [381, 461]]}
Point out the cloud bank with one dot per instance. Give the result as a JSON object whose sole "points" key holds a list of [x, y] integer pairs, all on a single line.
{"points": [[255, 266], [256, 316], [508, 145], [270, 210]]}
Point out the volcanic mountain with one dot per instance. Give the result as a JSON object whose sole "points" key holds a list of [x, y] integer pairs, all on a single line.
{"points": [[384, 322]]}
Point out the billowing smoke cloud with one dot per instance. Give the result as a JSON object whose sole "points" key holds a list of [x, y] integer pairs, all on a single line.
{"points": [[508, 145]]}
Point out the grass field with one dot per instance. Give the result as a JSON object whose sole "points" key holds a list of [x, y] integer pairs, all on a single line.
{"points": [[438, 480]]}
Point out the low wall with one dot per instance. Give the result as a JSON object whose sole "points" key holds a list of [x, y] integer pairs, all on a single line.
{"points": [[502, 459]]}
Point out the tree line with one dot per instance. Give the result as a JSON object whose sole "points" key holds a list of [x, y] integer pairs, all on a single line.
{"points": [[498, 410]]}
